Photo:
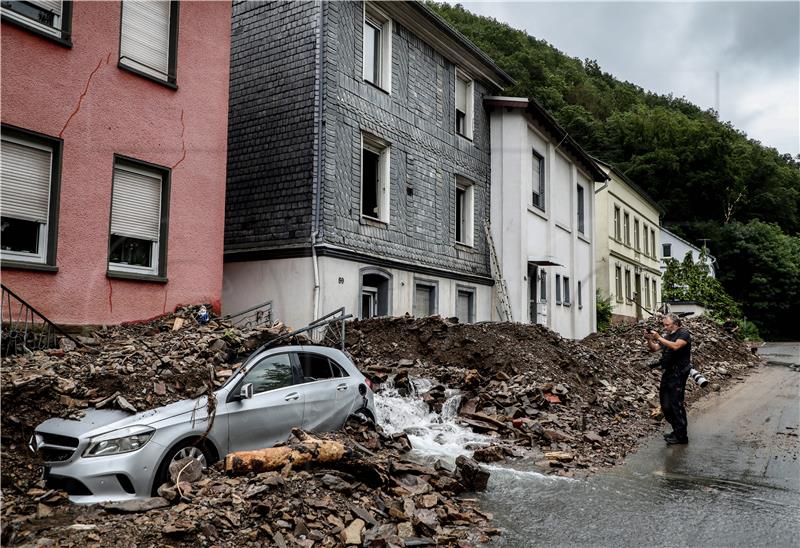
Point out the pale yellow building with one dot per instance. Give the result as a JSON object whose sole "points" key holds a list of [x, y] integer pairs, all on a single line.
{"points": [[627, 247]]}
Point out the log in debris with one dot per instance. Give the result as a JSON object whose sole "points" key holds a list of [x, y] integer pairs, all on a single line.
{"points": [[306, 450]]}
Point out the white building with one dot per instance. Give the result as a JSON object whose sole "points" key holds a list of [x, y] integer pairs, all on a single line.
{"points": [[675, 247], [542, 217]]}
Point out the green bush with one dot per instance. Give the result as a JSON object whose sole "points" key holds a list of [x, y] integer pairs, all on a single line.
{"points": [[603, 311]]}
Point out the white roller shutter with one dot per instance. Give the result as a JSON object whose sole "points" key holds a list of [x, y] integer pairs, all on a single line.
{"points": [[25, 181], [145, 34], [461, 95], [136, 204], [48, 5]]}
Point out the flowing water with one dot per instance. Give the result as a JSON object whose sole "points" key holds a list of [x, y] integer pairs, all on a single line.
{"points": [[736, 484]]}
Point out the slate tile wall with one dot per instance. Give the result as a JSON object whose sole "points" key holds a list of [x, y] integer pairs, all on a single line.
{"points": [[417, 119], [271, 126]]}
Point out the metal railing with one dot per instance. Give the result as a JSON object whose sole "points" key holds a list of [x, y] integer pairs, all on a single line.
{"points": [[24, 328], [260, 314]]}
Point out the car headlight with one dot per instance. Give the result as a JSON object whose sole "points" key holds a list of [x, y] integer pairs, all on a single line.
{"points": [[125, 440]]}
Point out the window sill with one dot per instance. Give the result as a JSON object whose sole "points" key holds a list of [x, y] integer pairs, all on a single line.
{"points": [[468, 139], [584, 238], [376, 86], [136, 277], [370, 221], [165, 83], [60, 40], [464, 247], [567, 304], [565, 228], [22, 265], [536, 210]]}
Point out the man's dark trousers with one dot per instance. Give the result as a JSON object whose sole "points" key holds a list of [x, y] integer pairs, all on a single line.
{"points": [[671, 393]]}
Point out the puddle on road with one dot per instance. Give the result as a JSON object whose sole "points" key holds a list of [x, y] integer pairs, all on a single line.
{"points": [[646, 503]]}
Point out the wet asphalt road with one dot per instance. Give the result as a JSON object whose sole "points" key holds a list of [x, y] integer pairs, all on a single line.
{"points": [[736, 484]]}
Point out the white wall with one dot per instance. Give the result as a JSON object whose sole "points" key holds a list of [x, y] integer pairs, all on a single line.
{"points": [[524, 233], [289, 283], [679, 250]]}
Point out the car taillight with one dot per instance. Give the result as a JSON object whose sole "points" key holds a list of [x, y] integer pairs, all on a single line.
{"points": [[368, 382]]}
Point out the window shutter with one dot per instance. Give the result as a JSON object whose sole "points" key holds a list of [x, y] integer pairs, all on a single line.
{"points": [[48, 5], [461, 95], [25, 188], [136, 205], [145, 34]]}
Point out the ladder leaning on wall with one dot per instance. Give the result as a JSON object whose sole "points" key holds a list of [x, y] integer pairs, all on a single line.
{"points": [[503, 305]]}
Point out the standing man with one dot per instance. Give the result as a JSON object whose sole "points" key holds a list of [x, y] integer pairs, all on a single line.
{"points": [[676, 349]]}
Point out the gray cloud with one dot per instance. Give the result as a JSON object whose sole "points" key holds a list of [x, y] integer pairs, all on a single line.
{"points": [[680, 48]]}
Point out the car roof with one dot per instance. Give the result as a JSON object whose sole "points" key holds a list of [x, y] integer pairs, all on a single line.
{"points": [[324, 350]]}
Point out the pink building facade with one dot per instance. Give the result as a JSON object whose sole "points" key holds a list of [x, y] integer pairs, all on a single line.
{"points": [[114, 156]]}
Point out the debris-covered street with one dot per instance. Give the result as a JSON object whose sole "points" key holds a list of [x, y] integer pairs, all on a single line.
{"points": [[569, 408]]}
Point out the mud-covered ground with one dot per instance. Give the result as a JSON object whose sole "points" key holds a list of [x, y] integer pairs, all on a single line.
{"points": [[573, 406]]}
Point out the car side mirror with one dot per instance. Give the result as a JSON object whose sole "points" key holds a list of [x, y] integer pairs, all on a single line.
{"points": [[246, 391]]}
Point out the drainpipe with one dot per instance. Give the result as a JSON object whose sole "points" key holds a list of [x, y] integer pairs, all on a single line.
{"points": [[319, 151]]}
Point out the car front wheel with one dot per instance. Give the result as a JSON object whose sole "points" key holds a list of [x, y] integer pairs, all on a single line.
{"points": [[186, 449]]}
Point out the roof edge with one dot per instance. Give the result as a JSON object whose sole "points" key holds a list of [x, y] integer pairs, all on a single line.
{"points": [[639, 190]]}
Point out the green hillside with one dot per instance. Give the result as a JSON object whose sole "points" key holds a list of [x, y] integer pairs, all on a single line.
{"points": [[712, 180]]}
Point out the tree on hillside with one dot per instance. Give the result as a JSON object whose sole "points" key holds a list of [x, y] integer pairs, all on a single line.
{"points": [[688, 280]]}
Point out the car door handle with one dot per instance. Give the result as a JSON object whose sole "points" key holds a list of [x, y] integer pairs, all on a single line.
{"points": [[341, 387], [293, 396]]}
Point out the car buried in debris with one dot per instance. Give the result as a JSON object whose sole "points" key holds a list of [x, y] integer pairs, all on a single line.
{"points": [[111, 455]]}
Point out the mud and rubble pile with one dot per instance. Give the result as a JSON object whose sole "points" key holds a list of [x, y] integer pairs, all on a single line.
{"points": [[385, 500], [131, 367], [570, 405]]}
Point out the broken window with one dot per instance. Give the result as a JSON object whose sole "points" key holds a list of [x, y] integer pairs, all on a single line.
{"points": [[30, 165], [374, 179]]}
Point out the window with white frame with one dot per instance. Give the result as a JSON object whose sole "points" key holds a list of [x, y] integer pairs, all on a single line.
{"points": [[580, 295], [30, 174], [618, 283], [538, 180], [558, 288], [465, 304], [375, 177], [567, 296], [465, 201], [465, 104], [424, 299], [542, 285], [376, 293], [377, 47], [636, 241], [626, 226], [148, 38], [647, 291], [646, 240], [50, 18], [666, 250], [653, 243], [628, 292], [617, 229], [139, 212], [655, 297], [580, 210]]}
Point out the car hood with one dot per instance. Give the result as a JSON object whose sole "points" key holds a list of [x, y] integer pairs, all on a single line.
{"points": [[100, 421]]}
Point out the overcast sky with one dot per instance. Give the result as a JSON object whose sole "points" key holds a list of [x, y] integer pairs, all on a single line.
{"points": [[680, 47]]}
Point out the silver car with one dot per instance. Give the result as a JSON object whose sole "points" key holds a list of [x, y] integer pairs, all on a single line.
{"points": [[112, 455]]}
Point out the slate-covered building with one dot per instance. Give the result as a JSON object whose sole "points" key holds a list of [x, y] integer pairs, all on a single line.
{"points": [[358, 169]]}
